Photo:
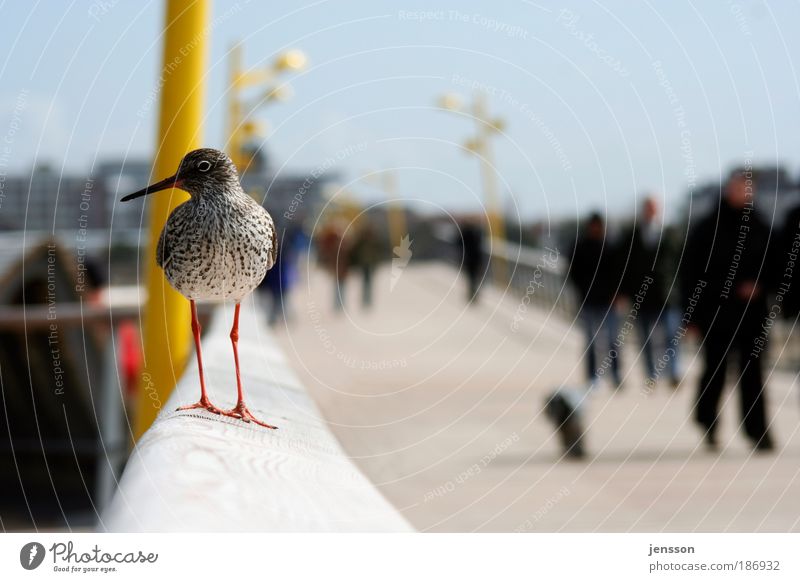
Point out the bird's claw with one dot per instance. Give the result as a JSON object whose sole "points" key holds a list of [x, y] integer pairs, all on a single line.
{"points": [[243, 413], [205, 405]]}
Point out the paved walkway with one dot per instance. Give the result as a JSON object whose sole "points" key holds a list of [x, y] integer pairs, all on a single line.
{"points": [[440, 405]]}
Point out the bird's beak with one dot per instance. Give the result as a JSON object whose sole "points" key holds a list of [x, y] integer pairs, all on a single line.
{"points": [[171, 182]]}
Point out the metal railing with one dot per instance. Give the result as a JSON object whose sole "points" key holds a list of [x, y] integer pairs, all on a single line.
{"points": [[536, 275]]}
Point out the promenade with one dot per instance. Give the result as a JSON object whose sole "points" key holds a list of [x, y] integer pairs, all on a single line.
{"points": [[440, 405]]}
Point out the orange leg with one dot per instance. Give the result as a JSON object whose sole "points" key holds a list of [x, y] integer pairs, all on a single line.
{"points": [[240, 411], [204, 401]]}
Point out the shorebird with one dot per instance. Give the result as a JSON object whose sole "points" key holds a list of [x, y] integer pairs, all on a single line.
{"points": [[216, 246]]}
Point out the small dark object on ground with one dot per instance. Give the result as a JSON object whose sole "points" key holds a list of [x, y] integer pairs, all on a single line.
{"points": [[561, 408]]}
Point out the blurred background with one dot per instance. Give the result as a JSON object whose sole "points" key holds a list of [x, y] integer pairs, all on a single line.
{"points": [[430, 168]]}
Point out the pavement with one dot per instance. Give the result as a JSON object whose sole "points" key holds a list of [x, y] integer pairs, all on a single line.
{"points": [[440, 404]]}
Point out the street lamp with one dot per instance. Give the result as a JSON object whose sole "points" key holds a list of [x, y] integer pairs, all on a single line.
{"points": [[386, 182], [486, 126], [240, 129]]}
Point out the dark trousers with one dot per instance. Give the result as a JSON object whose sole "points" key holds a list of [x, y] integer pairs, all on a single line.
{"points": [[366, 286], [657, 332], [473, 280], [601, 326], [720, 341]]}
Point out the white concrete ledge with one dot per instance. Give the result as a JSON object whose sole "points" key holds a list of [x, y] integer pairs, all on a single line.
{"points": [[201, 472]]}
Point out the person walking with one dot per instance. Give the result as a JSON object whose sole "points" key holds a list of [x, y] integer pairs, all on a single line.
{"points": [[788, 255], [728, 276], [472, 257], [333, 253], [594, 271], [365, 255], [280, 280], [648, 252]]}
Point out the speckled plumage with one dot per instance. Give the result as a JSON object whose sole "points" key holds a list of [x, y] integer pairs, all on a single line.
{"points": [[219, 244]]}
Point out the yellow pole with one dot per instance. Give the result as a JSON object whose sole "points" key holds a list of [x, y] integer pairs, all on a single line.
{"points": [[493, 205], [167, 323], [397, 214]]}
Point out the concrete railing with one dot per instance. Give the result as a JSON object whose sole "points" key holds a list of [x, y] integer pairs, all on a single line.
{"points": [[195, 471]]}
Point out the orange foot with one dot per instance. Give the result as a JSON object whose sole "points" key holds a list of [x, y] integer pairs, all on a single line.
{"points": [[242, 413], [205, 404]]}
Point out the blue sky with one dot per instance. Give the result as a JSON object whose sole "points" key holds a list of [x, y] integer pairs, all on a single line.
{"points": [[602, 100]]}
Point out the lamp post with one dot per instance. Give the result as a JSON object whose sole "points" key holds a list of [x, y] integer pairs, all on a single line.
{"points": [[397, 214], [386, 182], [240, 129], [480, 145]]}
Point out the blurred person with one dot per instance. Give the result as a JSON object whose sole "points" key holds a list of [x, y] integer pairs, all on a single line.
{"points": [[129, 356], [333, 252], [788, 274], [280, 280], [95, 281], [365, 254], [789, 267], [594, 271], [673, 239], [648, 278], [129, 351], [728, 273], [471, 239]]}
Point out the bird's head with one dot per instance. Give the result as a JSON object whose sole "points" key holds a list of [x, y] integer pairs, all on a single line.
{"points": [[201, 171]]}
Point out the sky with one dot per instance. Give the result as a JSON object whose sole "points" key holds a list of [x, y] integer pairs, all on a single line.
{"points": [[601, 101]]}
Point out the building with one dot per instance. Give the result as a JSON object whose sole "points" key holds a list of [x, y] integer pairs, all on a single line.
{"points": [[114, 180], [50, 201]]}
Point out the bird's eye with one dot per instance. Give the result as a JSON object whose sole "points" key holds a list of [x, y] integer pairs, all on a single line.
{"points": [[204, 166]]}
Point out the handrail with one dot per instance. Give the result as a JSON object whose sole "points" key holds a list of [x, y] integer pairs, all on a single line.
{"points": [[194, 471], [43, 316]]}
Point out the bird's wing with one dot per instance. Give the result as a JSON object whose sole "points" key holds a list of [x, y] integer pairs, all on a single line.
{"points": [[173, 229], [163, 250], [273, 251]]}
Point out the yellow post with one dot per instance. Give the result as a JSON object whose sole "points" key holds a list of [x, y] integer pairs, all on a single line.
{"points": [[167, 323], [397, 214], [494, 207], [481, 146]]}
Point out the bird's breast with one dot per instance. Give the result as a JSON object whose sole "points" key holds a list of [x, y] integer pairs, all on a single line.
{"points": [[217, 252]]}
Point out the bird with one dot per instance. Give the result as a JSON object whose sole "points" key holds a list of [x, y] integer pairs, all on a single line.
{"points": [[216, 246]]}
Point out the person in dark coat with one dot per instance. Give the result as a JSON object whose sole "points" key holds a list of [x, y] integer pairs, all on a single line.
{"points": [[473, 258], [789, 253], [365, 254], [280, 280], [333, 254], [648, 252], [728, 275], [594, 271]]}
